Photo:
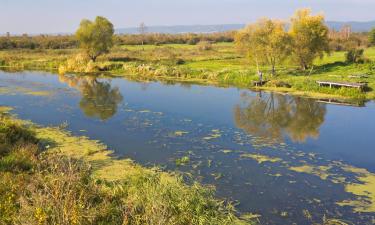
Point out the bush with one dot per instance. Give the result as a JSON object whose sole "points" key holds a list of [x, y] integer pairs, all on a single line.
{"points": [[204, 46], [355, 56]]}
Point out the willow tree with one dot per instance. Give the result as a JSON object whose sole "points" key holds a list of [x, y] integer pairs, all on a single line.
{"points": [[266, 42], [310, 37], [95, 37]]}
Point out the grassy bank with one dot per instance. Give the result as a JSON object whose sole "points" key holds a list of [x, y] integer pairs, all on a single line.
{"points": [[216, 64], [48, 176]]}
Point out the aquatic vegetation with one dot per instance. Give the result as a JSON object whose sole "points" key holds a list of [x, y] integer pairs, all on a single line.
{"points": [[364, 189], [363, 185], [183, 161], [24, 91], [320, 171], [261, 158], [215, 133], [226, 151], [180, 133]]}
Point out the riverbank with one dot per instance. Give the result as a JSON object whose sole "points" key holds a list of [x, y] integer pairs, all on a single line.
{"points": [[218, 65], [49, 176]]}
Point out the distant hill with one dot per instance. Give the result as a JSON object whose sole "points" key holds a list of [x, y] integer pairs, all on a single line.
{"points": [[178, 29], [356, 26], [183, 29]]}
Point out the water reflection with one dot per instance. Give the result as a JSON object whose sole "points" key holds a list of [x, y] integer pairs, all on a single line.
{"points": [[99, 99], [274, 116]]}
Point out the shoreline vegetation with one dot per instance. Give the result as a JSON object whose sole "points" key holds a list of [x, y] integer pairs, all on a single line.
{"points": [[49, 176], [211, 69], [291, 58]]}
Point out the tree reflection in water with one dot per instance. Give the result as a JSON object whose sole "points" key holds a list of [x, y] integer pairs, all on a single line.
{"points": [[99, 99], [274, 115]]}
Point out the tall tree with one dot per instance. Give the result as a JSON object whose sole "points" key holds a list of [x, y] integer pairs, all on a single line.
{"points": [[266, 42], [372, 37], [95, 37], [310, 37], [142, 31]]}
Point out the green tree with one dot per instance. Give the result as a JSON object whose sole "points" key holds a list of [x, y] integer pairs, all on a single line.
{"points": [[95, 37], [266, 42], [372, 37], [310, 37]]}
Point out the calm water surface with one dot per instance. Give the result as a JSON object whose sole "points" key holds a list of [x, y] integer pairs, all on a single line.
{"points": [[288, 159]]}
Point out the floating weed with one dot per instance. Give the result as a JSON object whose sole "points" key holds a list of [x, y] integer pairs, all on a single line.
{"points": [[180, 133], [250, 216], [182, 161], [260, 158], [23, 90], [320, 171], [226, 151], [365, 188], [144, 111], [217, 176], [209, 163]]}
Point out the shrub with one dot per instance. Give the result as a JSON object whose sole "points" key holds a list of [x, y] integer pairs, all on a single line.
{"points": [[355, 56], [204, 46]]}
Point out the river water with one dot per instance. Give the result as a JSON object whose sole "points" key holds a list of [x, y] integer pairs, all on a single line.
{"points": [[287, 159]]}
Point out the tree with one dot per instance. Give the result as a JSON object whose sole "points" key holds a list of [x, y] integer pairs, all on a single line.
{"points": [[265, 41], [95, 37], [310, 37], [142, 31], [372, 37]]}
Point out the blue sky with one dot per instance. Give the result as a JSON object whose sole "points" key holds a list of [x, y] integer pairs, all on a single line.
{"points": [[48, 16]]}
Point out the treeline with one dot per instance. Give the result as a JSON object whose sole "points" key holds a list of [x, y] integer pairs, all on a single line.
{"points": [[38, 42], [187, 38], [70, 41], [352, 41]]}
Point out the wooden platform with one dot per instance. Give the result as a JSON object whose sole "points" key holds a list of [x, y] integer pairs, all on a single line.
{"points": [[331, 84], [259, 83]]}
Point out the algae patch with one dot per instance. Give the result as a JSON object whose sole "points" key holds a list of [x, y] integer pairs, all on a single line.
{"points": [[320, 171], [180, 133], [261, 158], [364, 189]]}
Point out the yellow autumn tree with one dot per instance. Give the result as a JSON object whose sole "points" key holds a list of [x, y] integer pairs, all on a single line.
{"points": [[310, 37], [266, 42]]}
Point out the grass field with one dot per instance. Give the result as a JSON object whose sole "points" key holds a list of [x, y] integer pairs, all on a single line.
{"points": [[219, 64]]}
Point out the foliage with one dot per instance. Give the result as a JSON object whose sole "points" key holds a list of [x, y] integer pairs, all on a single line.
{"points": [[355, 56], [310, 37], [372, 36], [266, 42], [356, 40], [95, 38], [204, 45]]}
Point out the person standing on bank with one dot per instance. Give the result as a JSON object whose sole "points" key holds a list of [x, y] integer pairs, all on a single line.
{"points": [[260, 77]]}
